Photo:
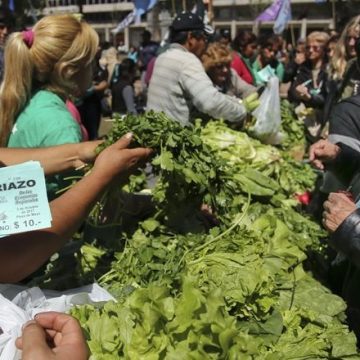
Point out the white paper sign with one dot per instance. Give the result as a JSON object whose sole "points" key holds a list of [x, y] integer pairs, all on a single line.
{"points": [[24, 204]]}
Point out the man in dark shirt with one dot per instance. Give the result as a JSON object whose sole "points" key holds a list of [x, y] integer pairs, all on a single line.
{"points": [[147, 51], [90, 106]]}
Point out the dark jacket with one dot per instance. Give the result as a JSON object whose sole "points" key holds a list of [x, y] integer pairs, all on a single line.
{"points": [[344, 130], [304, 74], [346, 238]]}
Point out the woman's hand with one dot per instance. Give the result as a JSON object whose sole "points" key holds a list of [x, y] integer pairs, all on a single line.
{"points": [[302, 92], [87, 150], [52, 335], [117, 159], [337, 208]]}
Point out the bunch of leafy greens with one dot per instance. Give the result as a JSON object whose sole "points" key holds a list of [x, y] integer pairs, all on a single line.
{"points": [[291, 127], [248, 166], [185, 168]]}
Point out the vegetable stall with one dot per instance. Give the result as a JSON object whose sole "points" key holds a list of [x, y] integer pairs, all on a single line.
{"points": [[209, 259]]}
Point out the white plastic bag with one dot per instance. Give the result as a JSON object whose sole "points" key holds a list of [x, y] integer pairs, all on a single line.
{"points": [[27, 303], [267, 114]]}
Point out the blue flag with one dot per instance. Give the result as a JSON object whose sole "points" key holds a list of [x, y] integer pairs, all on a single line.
{"points": [[283, 17]]}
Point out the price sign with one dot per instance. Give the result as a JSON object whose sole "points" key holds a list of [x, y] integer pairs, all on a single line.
{"points": [[23, 200]]}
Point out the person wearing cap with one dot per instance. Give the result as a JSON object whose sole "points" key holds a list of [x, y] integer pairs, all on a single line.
{"points": [[180, 85]]}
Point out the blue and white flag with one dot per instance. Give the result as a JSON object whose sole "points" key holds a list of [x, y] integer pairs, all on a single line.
{"points": [[125, 23], [142, 7], [283, 17]]}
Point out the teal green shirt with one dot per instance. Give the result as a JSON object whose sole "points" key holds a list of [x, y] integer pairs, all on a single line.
{"points": [[279, 71], [44, 122]]}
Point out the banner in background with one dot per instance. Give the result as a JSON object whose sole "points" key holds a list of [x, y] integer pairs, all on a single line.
{"points": [[125, 23], [283, 17], [270, 13]]}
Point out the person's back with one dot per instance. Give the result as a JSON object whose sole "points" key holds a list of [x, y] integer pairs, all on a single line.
{"points": [[179, 82], [166, 92]]}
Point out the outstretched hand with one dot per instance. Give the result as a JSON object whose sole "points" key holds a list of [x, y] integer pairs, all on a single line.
{"points": [[323, 152], [52, 335]]}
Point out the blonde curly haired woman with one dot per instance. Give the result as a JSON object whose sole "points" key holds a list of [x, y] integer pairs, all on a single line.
{"points": [[217, 63]]}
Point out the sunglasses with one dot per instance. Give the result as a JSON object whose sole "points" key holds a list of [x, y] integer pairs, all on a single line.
{"points": [[314, 48], [269, 48], [220, 66]]}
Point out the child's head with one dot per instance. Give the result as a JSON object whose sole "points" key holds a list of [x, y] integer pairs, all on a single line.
{"points": [[56, 55]]}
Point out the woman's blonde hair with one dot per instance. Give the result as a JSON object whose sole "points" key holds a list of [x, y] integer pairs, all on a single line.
{"points": [[62, 46], [319, 36], [216, 53], [339, 61]]}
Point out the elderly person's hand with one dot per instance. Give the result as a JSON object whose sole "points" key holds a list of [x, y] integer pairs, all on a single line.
{"points": [[53, 335], [337, 208], [322, 152]]}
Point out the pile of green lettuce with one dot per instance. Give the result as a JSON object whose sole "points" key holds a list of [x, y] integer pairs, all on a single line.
{"points": [[227, 282], [237, 294]]}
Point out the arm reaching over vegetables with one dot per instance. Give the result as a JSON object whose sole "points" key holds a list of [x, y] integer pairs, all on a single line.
{"points": [[53, 335], [32, 249], [53, 159]]}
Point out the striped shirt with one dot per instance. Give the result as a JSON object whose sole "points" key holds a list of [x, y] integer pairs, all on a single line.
{"points": [[179, 85]]}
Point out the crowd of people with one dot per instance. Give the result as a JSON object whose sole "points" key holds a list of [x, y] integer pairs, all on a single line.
{"points": [[57, 83]]}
